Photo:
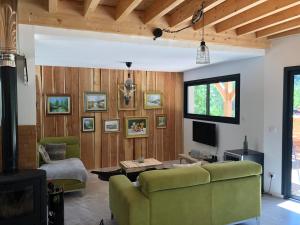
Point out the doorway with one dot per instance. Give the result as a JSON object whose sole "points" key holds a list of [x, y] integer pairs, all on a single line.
{"points": [[291, 134]]}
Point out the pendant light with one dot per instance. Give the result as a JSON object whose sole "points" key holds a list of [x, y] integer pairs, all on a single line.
{"points": [[202, 50]]}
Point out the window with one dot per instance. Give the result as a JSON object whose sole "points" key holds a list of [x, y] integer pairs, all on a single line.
{"points": [[214, 99]]}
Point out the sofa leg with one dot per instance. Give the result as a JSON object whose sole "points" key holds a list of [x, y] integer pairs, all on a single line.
{"points": [[257, 220], [111, 216]]}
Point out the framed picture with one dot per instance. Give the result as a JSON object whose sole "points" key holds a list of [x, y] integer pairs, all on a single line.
{"points": [[161, 121], [153, 100], [95, 101], [59, 104], [136, 127], [111, 126], [126, 101], [88, 124]]}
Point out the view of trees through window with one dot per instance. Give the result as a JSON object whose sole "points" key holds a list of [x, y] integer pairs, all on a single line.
{"points": [[297, 94], [216, 99]]}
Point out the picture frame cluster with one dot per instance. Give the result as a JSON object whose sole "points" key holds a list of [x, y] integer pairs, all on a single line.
{"points": [[93, 102]]}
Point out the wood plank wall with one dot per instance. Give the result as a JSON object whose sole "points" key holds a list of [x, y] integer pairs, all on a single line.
{"points": [[27, 147], [100, 149]]}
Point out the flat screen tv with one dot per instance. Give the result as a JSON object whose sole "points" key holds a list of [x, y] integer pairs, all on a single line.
{"points": [[205, 133]]}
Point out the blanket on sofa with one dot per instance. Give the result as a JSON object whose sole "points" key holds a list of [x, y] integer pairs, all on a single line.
{"points": [[71, 168]]}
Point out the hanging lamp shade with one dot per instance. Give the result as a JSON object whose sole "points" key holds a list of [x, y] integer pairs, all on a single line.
{"points": [[202, 54]]}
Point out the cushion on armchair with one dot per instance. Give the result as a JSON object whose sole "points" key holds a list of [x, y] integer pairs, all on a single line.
{"points": [[56, 151]]}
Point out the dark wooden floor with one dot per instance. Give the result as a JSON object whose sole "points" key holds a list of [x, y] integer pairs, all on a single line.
{"points": [[93, 205]]}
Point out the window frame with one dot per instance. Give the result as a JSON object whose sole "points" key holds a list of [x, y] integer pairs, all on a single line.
{"points": [[208, 81]]}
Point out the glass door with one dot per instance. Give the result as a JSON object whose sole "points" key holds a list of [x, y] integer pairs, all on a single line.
{"points": [[295, 175], [291, 134]]}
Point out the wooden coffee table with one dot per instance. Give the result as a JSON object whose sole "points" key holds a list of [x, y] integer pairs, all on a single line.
{"points": [[135, 166]]}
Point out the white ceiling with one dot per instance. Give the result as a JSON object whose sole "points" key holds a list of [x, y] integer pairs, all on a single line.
{"points": [[60, 47]]}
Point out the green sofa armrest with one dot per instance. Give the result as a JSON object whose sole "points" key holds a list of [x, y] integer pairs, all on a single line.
{"points": [[232, 170], [158, 180], [128, 205]]}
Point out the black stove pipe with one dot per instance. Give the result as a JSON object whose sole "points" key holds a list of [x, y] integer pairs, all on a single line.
{"points": [[9, 121]]}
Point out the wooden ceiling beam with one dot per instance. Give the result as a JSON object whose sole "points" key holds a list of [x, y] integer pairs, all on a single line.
{"points": [[90, 6], [52, 6], [226, 10], [34, 13], [185, 13], [125, 7], [290, 25], [269, 21], [263, 10], [285, 34], [159, 8]]}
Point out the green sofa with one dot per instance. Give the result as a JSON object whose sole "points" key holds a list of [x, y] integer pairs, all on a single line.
{"points": [[72, 151], [214, 194]]}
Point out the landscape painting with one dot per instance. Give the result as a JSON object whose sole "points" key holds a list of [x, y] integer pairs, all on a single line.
{"points": [[136, 127], [95, 101], [58, 104], [161, 121], [111, 126], [153, 100], [88, 124]]}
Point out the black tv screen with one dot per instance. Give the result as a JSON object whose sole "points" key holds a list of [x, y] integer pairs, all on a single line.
{"points": [[204, 133]]}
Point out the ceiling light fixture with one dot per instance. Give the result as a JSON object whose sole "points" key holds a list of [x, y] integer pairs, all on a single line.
{"points": [[203, 51], [158, 32]]}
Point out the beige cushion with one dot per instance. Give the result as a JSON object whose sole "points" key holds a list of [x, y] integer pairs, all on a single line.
{"points": [[44, 154], [187, 165]]}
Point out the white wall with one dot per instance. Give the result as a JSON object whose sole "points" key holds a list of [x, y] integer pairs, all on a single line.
{"points": [[252, 104], [284, 52], [26, 94]]}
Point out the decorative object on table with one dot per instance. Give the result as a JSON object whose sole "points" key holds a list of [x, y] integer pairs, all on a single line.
{"points": [[126, 92], [245, 145], [161, 121], [58, 104], [153, 100], [88, 124], [136, 127], [141, 159], [111, 126], [55, 204], [95, 101]]}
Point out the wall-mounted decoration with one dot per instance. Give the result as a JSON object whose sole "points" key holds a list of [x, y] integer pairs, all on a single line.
{"points": [[58, 104], [161, 121], [126, 100], [95, 101], [136, 127], [126, 92], [88, 124], [111, 126], [153, 100]]}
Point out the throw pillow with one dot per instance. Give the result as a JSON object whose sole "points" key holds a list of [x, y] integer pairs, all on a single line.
{"points": [[187, 165], [56, 151], [44, 154]]}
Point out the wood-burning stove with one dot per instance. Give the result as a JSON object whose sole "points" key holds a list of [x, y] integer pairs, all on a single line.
{"points": [[22, 192]]}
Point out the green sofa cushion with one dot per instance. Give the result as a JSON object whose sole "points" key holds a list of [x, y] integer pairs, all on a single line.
{"points": [[232, 170], [157, 180]]}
